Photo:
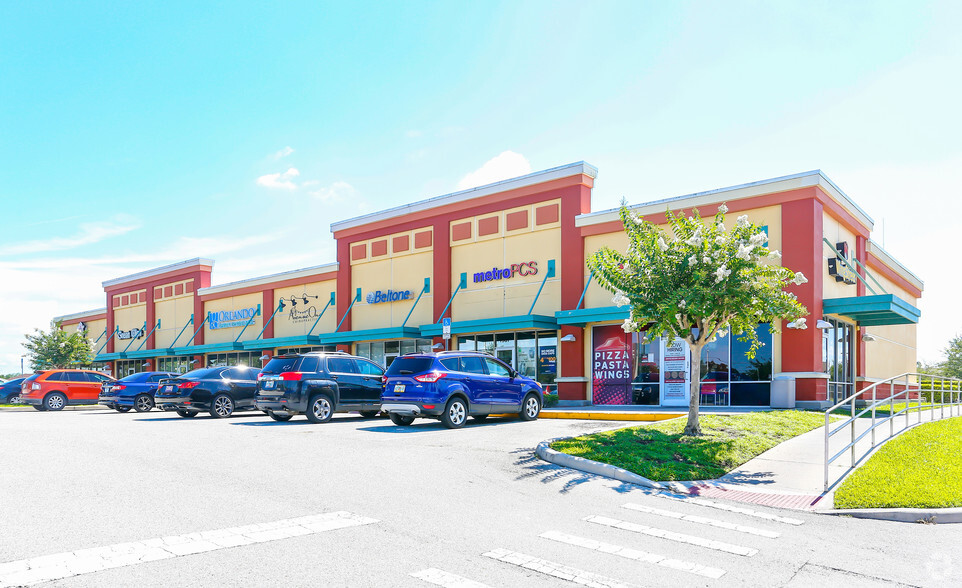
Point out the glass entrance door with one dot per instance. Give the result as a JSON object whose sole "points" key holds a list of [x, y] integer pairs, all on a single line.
{"points": [[838, 358]]}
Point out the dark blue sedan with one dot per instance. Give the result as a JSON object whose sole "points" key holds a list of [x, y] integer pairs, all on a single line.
{"points": [[135, 391]]}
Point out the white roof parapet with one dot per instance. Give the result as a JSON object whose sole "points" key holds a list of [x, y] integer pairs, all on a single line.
{"points": [[264, 280], [531, 179], [894, 264], [79, 315], [159, 270], [729, 194]]}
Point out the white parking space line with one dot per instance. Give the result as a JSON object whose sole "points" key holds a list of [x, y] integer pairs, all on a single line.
{"points": [[555, 570], [446, 579], [701, 520], [729, 508], [635, 554], [64, 565], [673, 536]]}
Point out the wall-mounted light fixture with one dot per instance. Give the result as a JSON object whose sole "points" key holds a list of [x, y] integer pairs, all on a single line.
{"points": [[145, 364], [265, 357], [569, 337], [797, 324], [195, 361], [437, 346], [820, 324], [867, 337]]}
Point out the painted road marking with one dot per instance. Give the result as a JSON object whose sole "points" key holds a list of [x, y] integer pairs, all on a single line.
{"points": [[64, 565], [729, 508], [635, 554], [446, 579], [673, 536], [555, 570], [702, 520]]}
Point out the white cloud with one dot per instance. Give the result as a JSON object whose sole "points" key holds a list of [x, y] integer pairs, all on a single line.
{"points": [[282, 153], [506, 165], [335, 192], [87, 234], [279, 181]]}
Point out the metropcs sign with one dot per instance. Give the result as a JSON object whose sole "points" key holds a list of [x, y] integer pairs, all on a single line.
{"points": [[527, 268]]}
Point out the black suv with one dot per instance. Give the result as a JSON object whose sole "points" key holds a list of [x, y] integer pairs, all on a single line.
{"points": [[318, 384]]}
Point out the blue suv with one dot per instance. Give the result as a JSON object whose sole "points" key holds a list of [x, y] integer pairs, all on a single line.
{"points": [[453, 385], [135, 391]]}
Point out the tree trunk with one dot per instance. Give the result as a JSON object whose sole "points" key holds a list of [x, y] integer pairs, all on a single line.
{"points": [[692, 428]]}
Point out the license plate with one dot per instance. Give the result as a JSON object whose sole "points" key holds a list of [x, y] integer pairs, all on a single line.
{"points": [[269, 384], [168, 388], [398, 388]]}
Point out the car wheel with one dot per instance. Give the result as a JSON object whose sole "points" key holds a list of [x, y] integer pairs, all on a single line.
{"points": [[13, 399], [281, 418], [186, 413], [530, 408], [480, 417], [320, 409], [455, 413], [55, 401], [122, 408], [221, 406], [401, 420], [369, 414], [143, 403], [39, 407]]}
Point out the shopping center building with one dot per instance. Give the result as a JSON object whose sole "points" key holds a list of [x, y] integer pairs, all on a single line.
{"points": [[506, 263]]}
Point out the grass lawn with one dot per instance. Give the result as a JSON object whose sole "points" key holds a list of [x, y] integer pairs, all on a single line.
{"points": [[918, 469], [660, 452]]}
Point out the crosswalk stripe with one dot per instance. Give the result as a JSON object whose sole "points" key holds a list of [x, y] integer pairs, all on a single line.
{"points": [[446, 579], [729, 508], [84, 561], [635, 554], [555, 570], [673, 536], [702, 520]]}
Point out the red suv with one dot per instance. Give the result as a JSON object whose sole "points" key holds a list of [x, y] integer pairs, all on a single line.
{"points": [[55, 389]]}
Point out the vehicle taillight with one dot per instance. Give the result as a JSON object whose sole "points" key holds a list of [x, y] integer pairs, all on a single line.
{"points": [[119, 387], [430, 377], [384, 380], [35, 386], [188, 385], [291, 376], [259, 376]]}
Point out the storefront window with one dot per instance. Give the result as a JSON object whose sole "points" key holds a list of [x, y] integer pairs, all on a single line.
{"points": [[247, 358], [485, 343], [131, 366], [533, 354], [547, 356], [385, 352], [306, 349], [645, 387], [179, 364], [527, 354]]}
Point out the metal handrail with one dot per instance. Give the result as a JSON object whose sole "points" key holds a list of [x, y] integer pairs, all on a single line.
{"points": [[910, 383]]}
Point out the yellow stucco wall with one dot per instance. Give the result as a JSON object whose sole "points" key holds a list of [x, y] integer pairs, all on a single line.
{"points": [[397, 273], [895, 348], [298, 320], [225, 335], [509, 296], [94, 330], [174, 313]]}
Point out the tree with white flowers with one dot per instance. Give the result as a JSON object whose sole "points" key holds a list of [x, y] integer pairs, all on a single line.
{"points": [[698, 281]]}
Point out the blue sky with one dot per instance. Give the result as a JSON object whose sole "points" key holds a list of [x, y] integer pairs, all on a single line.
{"points": [[138, 134]]}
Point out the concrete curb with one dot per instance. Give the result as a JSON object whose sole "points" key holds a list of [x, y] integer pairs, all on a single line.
{"points": [[607, 416], [545, 452], [902, 515], [28, 408]]}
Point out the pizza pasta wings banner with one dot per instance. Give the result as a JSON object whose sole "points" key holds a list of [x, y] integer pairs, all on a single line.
{"points": [[611, 365]]}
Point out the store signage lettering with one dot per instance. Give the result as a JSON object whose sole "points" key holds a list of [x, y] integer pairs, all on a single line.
{"points": [[302, 316], [839, 268], [131, 334], [677, 390], [378, 297], [226, 319], [528, 268]]}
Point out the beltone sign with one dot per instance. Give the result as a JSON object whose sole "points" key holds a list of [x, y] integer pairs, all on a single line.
{"points": [[378, 296]]}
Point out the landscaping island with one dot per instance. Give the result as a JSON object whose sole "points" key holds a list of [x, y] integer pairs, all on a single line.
{"points": [[661, 452], [918, 469]]}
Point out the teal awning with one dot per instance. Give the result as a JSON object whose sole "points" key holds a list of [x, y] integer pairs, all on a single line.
{"points": [[296, 341], [148, 353], [371, 335], [109, 356], [878, 310], [208, 348], [506, 323], [583, 316]]}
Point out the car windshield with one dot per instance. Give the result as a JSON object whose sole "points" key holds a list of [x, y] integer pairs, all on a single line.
{"points": [[403, 366], [279, 365]]}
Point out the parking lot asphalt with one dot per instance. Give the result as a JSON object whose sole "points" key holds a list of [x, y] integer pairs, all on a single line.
{"points": [[360, 502]]}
